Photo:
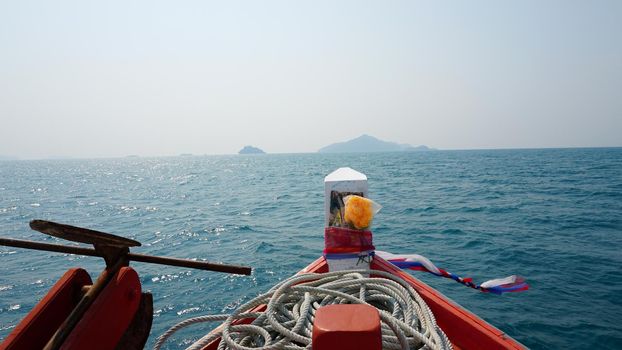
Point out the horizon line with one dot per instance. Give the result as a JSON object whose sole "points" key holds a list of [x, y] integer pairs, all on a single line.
{"points": [[5, 158]]}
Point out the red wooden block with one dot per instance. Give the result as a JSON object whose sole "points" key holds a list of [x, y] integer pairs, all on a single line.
{"points": [[347, 327], [105, 322]]}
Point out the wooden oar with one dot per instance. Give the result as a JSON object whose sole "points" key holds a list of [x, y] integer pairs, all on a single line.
{"points": [[195, 264]]}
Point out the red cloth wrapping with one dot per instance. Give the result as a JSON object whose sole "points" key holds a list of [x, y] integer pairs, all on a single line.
{"points": [[339, 240]]}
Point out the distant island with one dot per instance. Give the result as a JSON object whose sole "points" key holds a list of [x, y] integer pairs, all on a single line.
{"points": [[251, 150], [366, 143]]}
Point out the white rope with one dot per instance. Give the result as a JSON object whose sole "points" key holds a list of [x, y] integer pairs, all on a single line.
{"points": [[287, 323]]}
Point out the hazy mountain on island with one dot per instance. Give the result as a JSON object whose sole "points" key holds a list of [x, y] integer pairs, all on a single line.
{"points": [[366, 143], [251, 150]]}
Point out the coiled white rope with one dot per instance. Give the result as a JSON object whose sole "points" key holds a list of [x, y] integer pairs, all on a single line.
{"points": [[287, 323]]}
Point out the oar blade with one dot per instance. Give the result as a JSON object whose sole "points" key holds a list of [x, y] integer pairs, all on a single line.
{"points": [[80, 234]]}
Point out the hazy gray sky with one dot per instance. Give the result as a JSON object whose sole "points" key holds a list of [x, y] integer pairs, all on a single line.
{"points": [[107, 78]]}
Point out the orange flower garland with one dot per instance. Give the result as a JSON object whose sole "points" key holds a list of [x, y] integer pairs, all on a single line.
{"points": [[358, 212]]}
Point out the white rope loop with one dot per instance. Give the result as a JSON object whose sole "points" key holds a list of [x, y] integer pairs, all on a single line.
{"points": [[287, 323]]}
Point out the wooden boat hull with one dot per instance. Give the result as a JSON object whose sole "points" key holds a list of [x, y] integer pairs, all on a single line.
{"points": [[464, 329]]}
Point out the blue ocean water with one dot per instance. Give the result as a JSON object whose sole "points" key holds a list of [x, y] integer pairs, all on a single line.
{"points": [[553, 216]]}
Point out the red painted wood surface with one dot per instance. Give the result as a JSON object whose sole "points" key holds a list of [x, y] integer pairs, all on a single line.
{"points": [[347, 327], [105, 322], [39, 325]]}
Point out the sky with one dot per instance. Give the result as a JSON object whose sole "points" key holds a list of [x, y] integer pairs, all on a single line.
{"points": [[116, 78]]}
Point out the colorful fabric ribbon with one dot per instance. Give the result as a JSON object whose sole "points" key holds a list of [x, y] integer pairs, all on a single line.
{"points": [[417, 262]]}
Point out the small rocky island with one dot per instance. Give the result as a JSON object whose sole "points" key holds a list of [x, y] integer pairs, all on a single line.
{"points": [[251, 150]]}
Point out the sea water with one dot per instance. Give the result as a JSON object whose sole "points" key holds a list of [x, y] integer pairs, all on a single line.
{"points": [[553, 216]]}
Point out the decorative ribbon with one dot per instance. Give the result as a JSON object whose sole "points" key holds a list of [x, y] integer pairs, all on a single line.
{"points": [[417, 262]]}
